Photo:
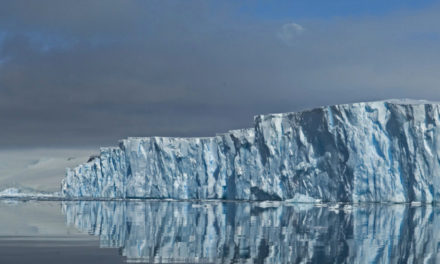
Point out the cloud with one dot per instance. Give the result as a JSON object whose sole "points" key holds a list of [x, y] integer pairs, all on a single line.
{"points": [[193, 69], [290, 31]]}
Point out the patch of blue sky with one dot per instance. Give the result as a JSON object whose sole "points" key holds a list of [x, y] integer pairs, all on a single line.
{"points": [[425, 36], [99, 41], [47, 42], [3, 59], [2, 36], [306, 9], [2, 39]]}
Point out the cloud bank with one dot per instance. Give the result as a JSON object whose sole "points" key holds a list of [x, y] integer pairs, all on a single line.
{"points": [[89, 73]]}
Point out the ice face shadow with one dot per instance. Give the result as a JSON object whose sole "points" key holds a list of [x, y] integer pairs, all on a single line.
{"points": [[260, 232]]}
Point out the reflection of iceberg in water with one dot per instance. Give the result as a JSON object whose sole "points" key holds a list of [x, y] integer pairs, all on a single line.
{"points": [[246, 232]]}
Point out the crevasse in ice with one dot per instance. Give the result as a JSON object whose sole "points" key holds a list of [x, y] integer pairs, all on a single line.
{"points": [[384, 151]]}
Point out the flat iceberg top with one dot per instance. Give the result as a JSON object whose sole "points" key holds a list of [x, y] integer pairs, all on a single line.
{"points": [[380, 151], [409, 101], [402, 101]]}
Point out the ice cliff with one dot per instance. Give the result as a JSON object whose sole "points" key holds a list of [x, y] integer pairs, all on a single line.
{"points": [[385, 151]]}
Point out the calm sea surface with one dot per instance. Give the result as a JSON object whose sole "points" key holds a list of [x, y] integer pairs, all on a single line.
{"points": [[216, 232]]}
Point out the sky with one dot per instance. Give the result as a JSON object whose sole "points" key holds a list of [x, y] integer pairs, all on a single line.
{"points": [[88, 73]]}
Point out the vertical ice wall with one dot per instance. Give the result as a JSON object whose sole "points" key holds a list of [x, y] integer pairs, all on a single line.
{"points": [[386, 151]]}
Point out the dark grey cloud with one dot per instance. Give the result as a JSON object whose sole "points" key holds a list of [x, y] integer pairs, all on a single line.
{"points": [[91, 72]]}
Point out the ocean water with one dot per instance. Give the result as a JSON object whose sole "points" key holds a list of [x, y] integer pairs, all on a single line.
{"points": [[216, 232]]}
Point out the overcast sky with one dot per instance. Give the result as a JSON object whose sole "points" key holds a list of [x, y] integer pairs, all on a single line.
{"points": [[87, 73]]}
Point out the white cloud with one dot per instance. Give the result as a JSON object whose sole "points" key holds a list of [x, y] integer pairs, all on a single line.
{"points": [[290, 31]]}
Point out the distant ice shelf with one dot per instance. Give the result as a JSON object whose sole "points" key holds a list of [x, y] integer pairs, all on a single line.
{"points": [[383, 151], [22, 193]]}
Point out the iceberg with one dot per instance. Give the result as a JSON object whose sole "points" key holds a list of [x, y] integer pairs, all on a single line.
{"points": [[383, 151]]}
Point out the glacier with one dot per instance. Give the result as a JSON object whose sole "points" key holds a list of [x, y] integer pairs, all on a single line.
{"points": [[382, 151]]}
